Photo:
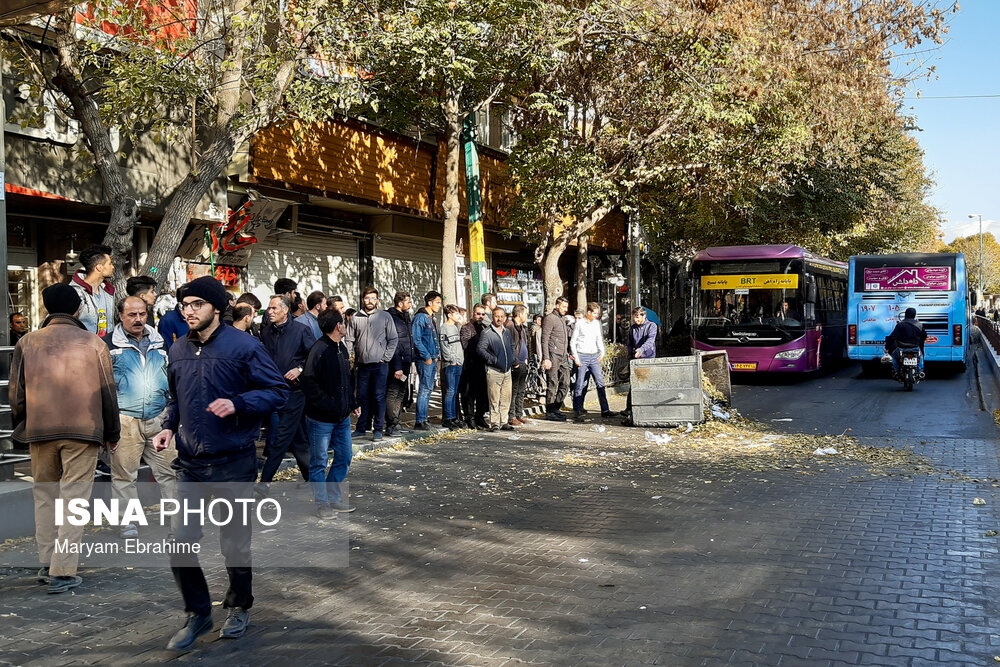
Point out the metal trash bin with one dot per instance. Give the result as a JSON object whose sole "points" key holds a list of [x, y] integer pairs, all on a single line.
{"points": [[667, 391]]}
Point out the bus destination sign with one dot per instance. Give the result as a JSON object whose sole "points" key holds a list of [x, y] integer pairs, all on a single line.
{"points": [[906, 279], [758, 281]]}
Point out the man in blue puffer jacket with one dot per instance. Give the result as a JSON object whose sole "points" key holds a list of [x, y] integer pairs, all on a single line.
{"points": [[139, 358], [222, 382]]}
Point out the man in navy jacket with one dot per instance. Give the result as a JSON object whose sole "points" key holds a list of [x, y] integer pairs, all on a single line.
{"points": [[288, 341], [222, 382], [641, 344]]}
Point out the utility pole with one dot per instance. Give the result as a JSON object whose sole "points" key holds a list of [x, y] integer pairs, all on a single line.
{"points": [[982, 288], [5, 297], [473, 198], [635, 260]]}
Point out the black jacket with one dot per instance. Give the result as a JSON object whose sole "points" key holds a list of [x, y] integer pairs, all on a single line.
{"points": [[288, 344], [326, 382], [469, 335], [908, 333], [230, 364], [497, 350], [555, 338], [403, 356]]}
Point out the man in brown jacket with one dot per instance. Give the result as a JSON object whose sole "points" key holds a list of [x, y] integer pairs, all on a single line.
{"points": [[555, 350], [65, 407]]}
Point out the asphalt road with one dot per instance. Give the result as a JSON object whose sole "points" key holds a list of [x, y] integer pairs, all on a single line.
{"points": [[945, 405]]}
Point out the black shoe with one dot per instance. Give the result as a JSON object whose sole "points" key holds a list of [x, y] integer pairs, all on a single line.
{"points": [[103, 467], [607, 414], [43, 575], [358, 434], [482, 425], [63, 584], [342, 507], [578, 417], [470, 424], [261, 490], [494, 429], [194, 627], [391, 431], [554, 417], [325, 512], [506, 427], [236, 623]]}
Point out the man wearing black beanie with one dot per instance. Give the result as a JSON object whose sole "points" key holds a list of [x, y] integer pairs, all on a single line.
{"points": [[222, 382], [64, 422]]}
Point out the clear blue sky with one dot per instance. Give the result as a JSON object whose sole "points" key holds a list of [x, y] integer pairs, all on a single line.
{"points": [[960, 137]]}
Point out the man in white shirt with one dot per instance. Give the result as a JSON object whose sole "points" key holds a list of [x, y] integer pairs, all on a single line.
{"points": [[587, 345]]}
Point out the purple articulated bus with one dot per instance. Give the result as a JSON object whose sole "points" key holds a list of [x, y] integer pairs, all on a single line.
{"points": [[773, 308]]}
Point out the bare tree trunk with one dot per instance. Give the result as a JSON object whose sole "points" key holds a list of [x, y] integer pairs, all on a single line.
{"points": [[184, 202], [117, 190], [582, 246], [451, 204], [550, 270]]}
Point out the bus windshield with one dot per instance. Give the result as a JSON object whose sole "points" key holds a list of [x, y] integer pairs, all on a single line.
{"points": [[749, 294], [770, 307]]}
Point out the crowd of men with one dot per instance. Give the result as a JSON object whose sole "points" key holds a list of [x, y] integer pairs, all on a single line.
{"points": [[190, 396]]}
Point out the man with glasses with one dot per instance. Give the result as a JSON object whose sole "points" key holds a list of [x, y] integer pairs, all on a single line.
{"points": [[371, 341], [222, 382]]}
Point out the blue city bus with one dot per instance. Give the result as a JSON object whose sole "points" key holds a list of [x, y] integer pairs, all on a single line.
{"points": [[882, 287]]}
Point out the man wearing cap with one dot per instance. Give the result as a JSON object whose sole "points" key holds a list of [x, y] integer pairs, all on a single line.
{"points": [[222, 382], [64, 407]]}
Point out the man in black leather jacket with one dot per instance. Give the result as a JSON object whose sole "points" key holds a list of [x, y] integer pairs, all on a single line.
{"points": [[908, 333]]}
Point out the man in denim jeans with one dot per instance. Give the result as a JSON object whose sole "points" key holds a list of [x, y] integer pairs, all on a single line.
{"points": [[452, 358], [326, 382], [428, 351], [587, 345]]}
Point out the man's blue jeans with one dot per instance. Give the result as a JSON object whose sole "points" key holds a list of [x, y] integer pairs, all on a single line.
{"points": [[427, 372], [452, 376], [897, 360], [589, 364], [370, 392], [324, 436]]}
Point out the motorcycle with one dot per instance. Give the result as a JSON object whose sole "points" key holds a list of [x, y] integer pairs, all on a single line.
{"points": [[908, 370]]}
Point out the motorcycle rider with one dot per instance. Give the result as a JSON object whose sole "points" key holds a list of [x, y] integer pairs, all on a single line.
{"points": [[908, 333]]}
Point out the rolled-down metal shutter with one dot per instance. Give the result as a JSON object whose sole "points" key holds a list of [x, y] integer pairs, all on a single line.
{"points": [[315, 261], [407, 265]]}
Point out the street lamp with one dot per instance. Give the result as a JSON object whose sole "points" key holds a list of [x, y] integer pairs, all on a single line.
{"points": [[982, 290]]}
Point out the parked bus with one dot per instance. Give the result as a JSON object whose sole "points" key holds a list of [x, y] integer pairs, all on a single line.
{"points": [[773, 308], [882, 287]]}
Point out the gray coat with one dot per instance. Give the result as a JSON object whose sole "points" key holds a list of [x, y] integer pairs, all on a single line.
{"points": [[555, 338], [372, 337]]}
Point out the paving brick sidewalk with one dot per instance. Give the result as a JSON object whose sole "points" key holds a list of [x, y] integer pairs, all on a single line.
{"points": [[628, 561]]}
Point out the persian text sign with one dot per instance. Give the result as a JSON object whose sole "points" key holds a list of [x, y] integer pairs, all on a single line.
{"points": [[908, 278], [759, 281]]}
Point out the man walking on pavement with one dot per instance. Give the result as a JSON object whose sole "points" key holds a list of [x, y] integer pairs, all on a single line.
{"points": [[587, 345], [139, 358], [472, 386], [425, 340], [497, 351], [371, 340], [288, 342], [397, 384], [641, 344], [64, 407], [555, 350], [326, 382], [97, 295], [517, 325], [222, 382]]}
